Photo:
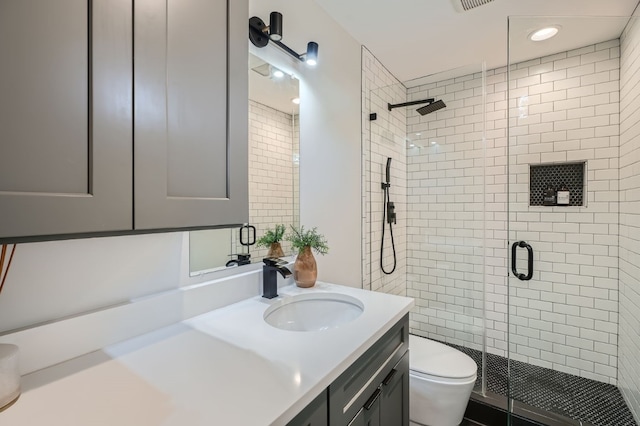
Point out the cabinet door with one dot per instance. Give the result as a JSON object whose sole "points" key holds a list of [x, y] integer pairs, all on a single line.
{"points": [[372, 411], [65, 117], [369, 415], [315, 414], [191, 113], [351, 390], [394, 401]]}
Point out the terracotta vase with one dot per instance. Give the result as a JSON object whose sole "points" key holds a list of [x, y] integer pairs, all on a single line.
{"points": [[275, 250], [305, 269]]}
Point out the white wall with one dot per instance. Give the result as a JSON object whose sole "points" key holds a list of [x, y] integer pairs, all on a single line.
{"points": [[330, 149], [629, 329], [61, 278]]}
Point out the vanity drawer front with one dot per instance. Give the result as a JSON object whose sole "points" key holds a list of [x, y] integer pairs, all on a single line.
{"points": [[350, 391], [315, 414]]}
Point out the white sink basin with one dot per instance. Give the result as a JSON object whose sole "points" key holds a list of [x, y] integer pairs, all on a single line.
{"points": [[313, 311]]}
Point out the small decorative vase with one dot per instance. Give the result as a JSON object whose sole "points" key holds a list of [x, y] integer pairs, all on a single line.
{"points": [[9, 375], [275, 250], [305, 269]]}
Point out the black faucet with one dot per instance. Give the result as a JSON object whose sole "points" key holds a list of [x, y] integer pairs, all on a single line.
{"points": [[269, 277]]}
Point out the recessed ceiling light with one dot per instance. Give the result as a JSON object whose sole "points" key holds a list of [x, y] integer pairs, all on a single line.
{"points": [[433, 142], [278, 74], [296, 101], [544, 33]]}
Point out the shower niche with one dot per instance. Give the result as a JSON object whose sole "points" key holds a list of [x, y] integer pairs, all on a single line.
{"points": [[557, 176]]}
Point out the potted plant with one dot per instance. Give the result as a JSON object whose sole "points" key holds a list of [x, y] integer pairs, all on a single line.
{"points": [[305, 269], [271, 239]]}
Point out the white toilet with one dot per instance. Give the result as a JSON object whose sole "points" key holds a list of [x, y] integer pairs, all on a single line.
{"points": [[441, 379]]}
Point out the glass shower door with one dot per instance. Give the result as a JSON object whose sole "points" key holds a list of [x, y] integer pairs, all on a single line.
{"points": [[437, 185], [562, 160]]}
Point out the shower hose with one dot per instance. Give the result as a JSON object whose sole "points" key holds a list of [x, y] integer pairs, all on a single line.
{"points": [[384, 221]]}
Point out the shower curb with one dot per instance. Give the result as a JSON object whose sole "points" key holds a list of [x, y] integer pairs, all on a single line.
{"points": [[491, 409]]}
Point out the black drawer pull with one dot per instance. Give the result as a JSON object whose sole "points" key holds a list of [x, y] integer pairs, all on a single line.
{"points": [[371, 401], [389, 377]]}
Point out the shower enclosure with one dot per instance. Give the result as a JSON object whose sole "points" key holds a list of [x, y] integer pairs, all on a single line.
{"points": [[518, 220], [564, 137]]}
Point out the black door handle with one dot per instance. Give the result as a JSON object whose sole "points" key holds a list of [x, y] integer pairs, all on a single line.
{"points": [[514, 246]]}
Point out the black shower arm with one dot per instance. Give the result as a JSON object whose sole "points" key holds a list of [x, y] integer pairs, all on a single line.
{"points": [[404, 104]]}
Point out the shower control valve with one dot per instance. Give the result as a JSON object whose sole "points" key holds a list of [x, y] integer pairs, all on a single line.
{"points": [[391, 213]]}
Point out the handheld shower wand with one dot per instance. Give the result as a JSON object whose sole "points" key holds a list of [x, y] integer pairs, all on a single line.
{"points": [[388, 216], [388, 171]]}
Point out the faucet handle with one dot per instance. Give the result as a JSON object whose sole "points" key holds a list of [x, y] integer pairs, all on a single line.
{"points": [[272, 261]]}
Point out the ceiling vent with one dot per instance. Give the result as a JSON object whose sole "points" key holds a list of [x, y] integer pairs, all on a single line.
{"points": [[464, 5]]}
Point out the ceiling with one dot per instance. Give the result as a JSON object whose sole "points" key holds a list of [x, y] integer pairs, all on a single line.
{"points": [[417, 38]]}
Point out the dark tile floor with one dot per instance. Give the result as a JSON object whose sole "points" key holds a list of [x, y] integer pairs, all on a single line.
{"points": [[575, 397], [467, 422]]}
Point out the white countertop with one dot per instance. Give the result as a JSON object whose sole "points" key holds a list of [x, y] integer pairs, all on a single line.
{"points": [[224, 367]]}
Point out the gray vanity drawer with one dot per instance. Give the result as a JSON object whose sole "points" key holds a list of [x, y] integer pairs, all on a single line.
{"points": [[351, 389]]}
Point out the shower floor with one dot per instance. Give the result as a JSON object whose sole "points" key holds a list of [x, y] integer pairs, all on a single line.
{"points": [[597, 403]]}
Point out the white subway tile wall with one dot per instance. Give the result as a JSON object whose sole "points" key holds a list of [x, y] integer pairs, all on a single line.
{"points": [[382, 138], [273, 143], [629, 339]]}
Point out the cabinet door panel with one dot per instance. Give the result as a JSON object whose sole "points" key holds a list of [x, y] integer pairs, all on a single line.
{"points": [[65, 117], [394, 401], [191, 113], [315, 414], [196, 99], [45, 147]]}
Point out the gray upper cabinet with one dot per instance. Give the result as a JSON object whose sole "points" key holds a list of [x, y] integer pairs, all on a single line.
{"points": [[118, 116], [65, 117], [191, 113]]}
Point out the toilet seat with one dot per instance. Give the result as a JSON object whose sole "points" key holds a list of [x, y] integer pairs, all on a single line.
{"points": [[442, 380], [435, 361]]}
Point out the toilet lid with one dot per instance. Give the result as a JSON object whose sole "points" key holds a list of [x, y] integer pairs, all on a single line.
{"points": [[436, 359]]}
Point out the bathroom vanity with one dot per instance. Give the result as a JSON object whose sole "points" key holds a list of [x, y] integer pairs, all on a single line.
{"points": [[229, 366], [374, 390]]}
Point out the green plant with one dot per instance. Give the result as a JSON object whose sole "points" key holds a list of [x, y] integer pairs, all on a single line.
{"points": [[301, 238], [271, 236]]}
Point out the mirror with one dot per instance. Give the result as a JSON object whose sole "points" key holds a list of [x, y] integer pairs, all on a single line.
{"points": [[274, 141]]}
